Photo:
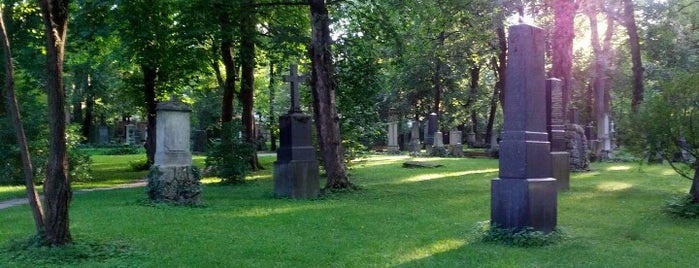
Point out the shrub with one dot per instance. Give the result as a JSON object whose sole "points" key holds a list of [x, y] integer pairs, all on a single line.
{"points": [[122, 150], [229, 159], [682, 207], [139, 164]]}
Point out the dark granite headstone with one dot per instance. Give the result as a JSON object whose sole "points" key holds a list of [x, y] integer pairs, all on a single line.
{"points": [[573, 116], [560, 165], [525, 194], [296, 168], [199, 141], [103, 134], [431, 129]]}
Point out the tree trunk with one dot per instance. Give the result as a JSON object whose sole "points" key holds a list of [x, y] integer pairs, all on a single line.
{"points": [[563, 35], [323, 88], [637, 65], [272, 116], [149, 75], [11, 97], [57, 189], [694, 190], [501, 65], [437, 77], [497, 89], [230, 70], [474, 78], [89, 112], [247, 81]]}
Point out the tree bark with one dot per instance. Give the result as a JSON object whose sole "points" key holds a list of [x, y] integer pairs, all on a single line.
{"points": [[150, 74], [247, 81], [229, 68], [694, 189], [323, 88], [89, 112], [563, 35], [635, 47], [272, 116], [57, 190], [437, 77], [11, 97], [501, 64]]}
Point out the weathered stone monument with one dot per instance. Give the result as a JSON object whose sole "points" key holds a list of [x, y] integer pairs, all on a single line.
{"points": [[525, 194], [560, 158], [296, 168], [102, 135], [393, 147], [173, 178], [415, 138], [456, 149], [438, 146], [130, 134], [432, 125]]}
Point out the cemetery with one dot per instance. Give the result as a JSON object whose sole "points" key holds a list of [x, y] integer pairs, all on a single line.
{"points": [[211, 133]]}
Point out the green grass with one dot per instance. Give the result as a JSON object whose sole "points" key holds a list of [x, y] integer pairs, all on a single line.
{"points": [[401, 218]]}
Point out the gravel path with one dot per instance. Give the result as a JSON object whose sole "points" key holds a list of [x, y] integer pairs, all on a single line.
{"points": [[21, 201]]}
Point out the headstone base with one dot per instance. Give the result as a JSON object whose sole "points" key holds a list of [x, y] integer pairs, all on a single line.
{"points": [[297, 179], [393, 149], [174, 184], [560, 167], [519, 203], [456, 150]]}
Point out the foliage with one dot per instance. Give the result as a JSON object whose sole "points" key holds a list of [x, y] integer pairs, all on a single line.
{"points": [[73, 254], [229, 158], [682, 206], [78, 161], [526, 237], [123, 149], [139, 164]]}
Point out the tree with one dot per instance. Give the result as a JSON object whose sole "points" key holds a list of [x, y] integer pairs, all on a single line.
{"points": [[323, 89], [562, 40], [669, 123], [11, 99], [57, 189], [629, 21]]}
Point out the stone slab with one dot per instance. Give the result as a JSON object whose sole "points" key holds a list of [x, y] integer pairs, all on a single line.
{"points": [[297, 179], [517, 203], [560, 169]]}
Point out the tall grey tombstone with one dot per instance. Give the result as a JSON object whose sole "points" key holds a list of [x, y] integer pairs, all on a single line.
{"points": [[393, 138], [103, 134], [296, 168], [431, 129], [560, 158], [130, 134], [172, 177], [525, 194], [415, 138], [456, 149]]}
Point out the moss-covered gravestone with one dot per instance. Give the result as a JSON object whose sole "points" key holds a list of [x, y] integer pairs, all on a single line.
{"points": [[173, 178]]}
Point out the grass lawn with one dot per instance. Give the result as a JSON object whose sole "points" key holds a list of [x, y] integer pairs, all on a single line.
{"points": [[401, 218]]}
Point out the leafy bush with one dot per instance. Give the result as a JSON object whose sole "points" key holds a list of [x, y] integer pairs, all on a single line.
{"points": [[526, 237], [139, 164], [682, 207], [124, 149], [229, 159], [78, 161]]}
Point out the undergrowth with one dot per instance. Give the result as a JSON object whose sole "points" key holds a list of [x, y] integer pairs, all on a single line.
{"points": [[527, 237], [31, 250], [682, 207]]}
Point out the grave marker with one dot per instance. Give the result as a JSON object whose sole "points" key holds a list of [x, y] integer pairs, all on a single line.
{"points": [[296, 169], [393, 138], [560, 158], [525, 194], [431, 129], [415, 138], [456, 149]]}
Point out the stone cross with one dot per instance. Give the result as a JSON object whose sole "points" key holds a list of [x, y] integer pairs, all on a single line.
{"points": [[524, 195], [294, 79]]}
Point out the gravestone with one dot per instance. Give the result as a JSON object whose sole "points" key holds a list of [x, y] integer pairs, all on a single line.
{"points": [[429, 134], [415, 138], [103, 135], [173, 178], [560, 158], [296, 169], [393, 147], [525, 195], [438, 146], [577, 148], [471, 138], [456, 149], [573, 116], [130, 134], [199, 141], [605, 139]]}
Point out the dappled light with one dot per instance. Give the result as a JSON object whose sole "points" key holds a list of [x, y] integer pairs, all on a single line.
{"points": [[613, 186], [432, 176], [267, 211], [432, 249], [618, 168]]}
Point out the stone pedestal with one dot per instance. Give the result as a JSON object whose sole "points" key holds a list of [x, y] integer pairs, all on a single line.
{"points": [[296, 168], [415, 138], [173, 178], [455, 147], [525, 193], [560, 169], [438, 146], [393, 147]]}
